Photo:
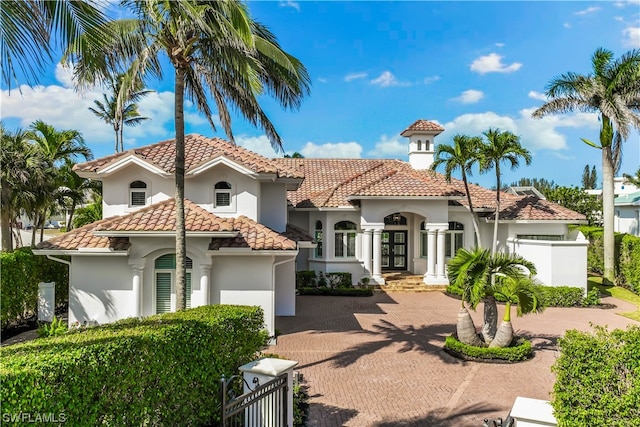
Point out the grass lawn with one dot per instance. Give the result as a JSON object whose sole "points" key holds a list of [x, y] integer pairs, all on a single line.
{"points": [[617, 292]]}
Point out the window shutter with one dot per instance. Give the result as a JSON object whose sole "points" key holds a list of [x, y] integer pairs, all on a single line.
{"points": [[163, 292], [188, 280]]}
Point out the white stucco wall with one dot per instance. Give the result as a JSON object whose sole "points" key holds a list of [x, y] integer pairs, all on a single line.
{"points": [[115, 189], [245, 280], [285, 283], [627, 220], [273, 206], [374, 211], [100, 289]]}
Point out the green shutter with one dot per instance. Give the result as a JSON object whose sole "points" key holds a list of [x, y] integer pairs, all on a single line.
{"points": [[163, 292], [166, 262]]}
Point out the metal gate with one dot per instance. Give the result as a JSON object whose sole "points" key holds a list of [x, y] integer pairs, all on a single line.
{"points": [[264, 406]]}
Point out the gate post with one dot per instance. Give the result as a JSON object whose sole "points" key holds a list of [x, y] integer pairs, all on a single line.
{"points": [[264, 370]]}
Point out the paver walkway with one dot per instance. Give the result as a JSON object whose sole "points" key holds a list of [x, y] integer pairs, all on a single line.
{"points": [[378, 361]]}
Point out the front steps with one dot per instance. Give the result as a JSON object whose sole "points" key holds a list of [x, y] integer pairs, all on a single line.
{"points": [[407, 283]]}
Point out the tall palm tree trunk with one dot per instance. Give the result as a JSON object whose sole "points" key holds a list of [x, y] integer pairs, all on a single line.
{"points": [[181, 242], [494, 246], [474, 218], [5, 219], [607, 214]]}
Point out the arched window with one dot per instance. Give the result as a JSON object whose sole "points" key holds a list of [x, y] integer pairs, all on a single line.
{"points": [[318, 239], [165, 273], [395, 219], [345, 239], [419, 145], [222, 194], [454, 238], [137, 193], [426, 145]]}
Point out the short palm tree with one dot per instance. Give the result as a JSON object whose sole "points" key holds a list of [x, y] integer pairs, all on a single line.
{"points": [[73, 189], [520, 288], [501, 147], [612, 90], [474, 272], [216, 50], [462, 155]]}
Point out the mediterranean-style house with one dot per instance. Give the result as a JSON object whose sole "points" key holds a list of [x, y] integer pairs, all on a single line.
{"points": [[252, 222]]}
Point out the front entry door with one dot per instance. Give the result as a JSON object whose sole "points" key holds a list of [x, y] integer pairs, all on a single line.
{"points": [[394, 250]]}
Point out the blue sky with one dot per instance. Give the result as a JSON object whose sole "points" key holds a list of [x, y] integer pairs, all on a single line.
{"points": [[377, 67]]}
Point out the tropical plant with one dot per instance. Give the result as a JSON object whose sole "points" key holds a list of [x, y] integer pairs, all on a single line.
{"points": [[589, 178], [119, 108], [215, 48], [90, 213], [501, 147], [541, 184], [73, 190], [578, 200], [522, 289], [28, 27], [462, 155], [633, 180], [612, 91], [474, 272]]}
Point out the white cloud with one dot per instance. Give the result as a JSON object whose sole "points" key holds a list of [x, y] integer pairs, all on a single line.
{"points": [[431, 79], [492, 63], [322, 80], [387, 79], [536, 134], [470, 96], [587, 11], [64, 108], [566, 25], [626, 3], [537, 95], [290, 3], [257, 144], [500, 44], [337, 150], [354, 76], [388, 148], [618, 18], [631, 37]]}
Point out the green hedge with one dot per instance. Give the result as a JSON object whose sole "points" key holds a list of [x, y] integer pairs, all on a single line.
{"points": [[598, 378], [348, 292], [520, 350], [550, 296], [162, 370], [630, 263], [20, 273], [311, 279]]}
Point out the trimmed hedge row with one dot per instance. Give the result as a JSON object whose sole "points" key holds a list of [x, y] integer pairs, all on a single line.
{"points": [[312, 279], [552, 296], [21, 273], [343, 292], [520, 350], [598, 378], [627, 254], [161, 370]]}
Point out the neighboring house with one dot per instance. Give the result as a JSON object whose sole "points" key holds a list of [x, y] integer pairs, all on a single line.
{"points": [[251, 222], [627, 213]]}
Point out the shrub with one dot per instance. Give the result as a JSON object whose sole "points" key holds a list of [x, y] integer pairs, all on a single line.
{"points": [[519, 350], [162, 370], [339, 280], [309, 279], [53, 329], [598, 378], [629, 265], [347, 292], [21, 273], [305, 278]]}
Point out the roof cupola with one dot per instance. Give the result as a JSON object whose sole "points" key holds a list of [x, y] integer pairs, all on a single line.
{"points": [[421, 136]]}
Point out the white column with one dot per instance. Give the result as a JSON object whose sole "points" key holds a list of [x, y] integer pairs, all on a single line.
{"points": [[366, 251], [137, 289], [431, 253], [205, 269], [440, 253], [377, 254]]}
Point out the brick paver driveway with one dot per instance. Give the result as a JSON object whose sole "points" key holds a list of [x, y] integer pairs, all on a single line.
{"points": [[378, 361]]}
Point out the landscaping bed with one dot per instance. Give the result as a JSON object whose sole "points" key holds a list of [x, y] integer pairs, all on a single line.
{"points": [[520, 350]]}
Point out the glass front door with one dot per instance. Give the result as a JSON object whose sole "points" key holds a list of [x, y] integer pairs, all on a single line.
{"points": [[394, 250]]}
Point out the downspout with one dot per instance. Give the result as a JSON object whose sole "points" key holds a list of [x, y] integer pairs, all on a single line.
{"points": [[63, 261], [273, 287]]}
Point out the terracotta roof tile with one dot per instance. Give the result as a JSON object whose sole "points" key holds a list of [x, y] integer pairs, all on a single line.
{"points": [[252, 235], [422, 126], [198, 151], [532, 208], [83, 238]]}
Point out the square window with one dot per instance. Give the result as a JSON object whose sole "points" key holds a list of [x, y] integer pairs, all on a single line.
{"points": [[138, 198], [223, 198]]}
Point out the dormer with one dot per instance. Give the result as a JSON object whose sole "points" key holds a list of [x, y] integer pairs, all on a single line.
{"points": [[421, 136]]}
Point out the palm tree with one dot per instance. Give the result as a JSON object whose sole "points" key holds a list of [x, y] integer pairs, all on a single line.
{"points": [[215, 48], [612, 91], [633, 180], [521, 288], [463, 154], [73, 189], [474, 272], [117, 116], [28, 27], [90, 213], [501, 147]]}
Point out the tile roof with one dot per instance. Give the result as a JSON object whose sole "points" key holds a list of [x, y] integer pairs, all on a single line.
{"points": [[331, 182], [422, 126], [161, 217], [199, 150], [531, 208]]}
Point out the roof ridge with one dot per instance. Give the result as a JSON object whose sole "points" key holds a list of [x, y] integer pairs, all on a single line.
{"points": [[350, 179]]}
